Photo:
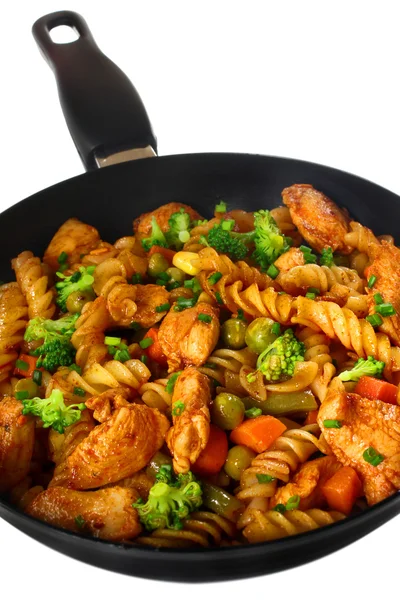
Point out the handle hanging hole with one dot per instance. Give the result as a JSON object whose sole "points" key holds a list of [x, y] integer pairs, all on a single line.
{"points": [[64, 34]]}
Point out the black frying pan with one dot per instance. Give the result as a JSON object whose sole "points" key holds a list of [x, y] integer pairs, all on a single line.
{"points": [[106, 117]]}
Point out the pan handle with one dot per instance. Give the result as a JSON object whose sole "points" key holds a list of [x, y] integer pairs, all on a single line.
{"points": [[104, 113]]}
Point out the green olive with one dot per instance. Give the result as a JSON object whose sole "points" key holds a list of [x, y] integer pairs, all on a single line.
{"points": [[157, 264], [156, 462], [77, 300], [233, 333], [259, 334], [227, 411], [27, 385], [176, 275], [239, 458]]}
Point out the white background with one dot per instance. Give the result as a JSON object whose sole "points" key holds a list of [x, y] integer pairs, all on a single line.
{"points": [[311, 80]]}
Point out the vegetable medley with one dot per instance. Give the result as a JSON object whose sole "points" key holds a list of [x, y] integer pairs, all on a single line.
{"points": [[203, 382]]}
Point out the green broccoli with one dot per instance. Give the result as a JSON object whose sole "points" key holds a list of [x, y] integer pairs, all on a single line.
{"points": [[369, 366], [56, 349], [157, 238], [52, 411], [268, 239], [279, 359], [80, 281], [224, 240], [178, 232], [170, 500]]}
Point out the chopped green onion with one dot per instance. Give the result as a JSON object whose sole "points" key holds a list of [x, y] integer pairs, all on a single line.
{"points": [[327, 257], [21, 365], [164, 276], [251, 377], [143, 358], [273, 271], [79, 521], [214, 278], [163, 307], [281, 508], [205, 318], [135, 326], [310, 295], [264, 478], [23, 395], [122, 353], [332, 424], [251, 413], [146, 342], [37, 377], [75, 367], [372, 281], [178, 409], [192, 284], [136, 278], [228, 224], [374, 320], [309, 257], [183, 303], [221, 207], [78, 391], [313, 290], [172, 285], [169, 388], [293, 502], [240, 314], [112, 341], [371, 456], [276, 329], [63, 258], [378, 298], [218, 298], [385, 309]]}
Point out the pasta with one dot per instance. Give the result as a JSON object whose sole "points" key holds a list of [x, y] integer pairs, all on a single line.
{"points": [[172, 389]]}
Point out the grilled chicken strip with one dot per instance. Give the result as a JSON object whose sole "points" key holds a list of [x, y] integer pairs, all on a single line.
{"points": [[74, 238], [191, 425], [319, 220]]}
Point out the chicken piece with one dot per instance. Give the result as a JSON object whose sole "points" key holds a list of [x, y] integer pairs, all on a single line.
{"points": [[292, 258], [115, 449], [74, 238], [148, 297], [319, 220], [386, 268], [365, 423], [191, 427], [106, 403], [307, 483], [17, 438], [141, 482], [187, 341], [105, 514], [142, 225]]}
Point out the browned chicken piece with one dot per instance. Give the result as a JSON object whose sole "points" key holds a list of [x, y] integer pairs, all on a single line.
{"points": [[74, 238], [142, 225], [17, 438], [187, 341], [140, 481], [365, 423], [386, 268], [115, 449], [319, 220], [61, 445], [148, 297], [105, 514], [292, 258], [307, 483], [106, 403], [191, 427]]}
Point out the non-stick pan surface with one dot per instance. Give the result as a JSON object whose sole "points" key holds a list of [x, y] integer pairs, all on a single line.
{"points": [[109, 199]]}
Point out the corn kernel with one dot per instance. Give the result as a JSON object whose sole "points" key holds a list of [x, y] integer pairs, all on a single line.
{"points": [[204, 297], [184, 262]]}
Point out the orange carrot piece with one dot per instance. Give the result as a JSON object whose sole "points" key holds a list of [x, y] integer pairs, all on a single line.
{"points": [[166, 252], [342, 490], [311, 417], [259, 433], [30, 361], [154, 351], [376, 389], [213, 457]]}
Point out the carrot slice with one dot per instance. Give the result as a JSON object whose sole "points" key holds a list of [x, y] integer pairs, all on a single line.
{"points": [[342, 490], [166, 252], [259, 433], [31, 365], [311, 417], [376, 389], [213, 457], [154, 351]]}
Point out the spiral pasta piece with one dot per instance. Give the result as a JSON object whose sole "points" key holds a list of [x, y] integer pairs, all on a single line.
{"points": [[194, 243], [155, 395], [110, 282], [299, 279], [13, 320], [34, 285], [112, 374], [359, 261], [88, 337], [318, 350], [272, 525], [361, 238]]}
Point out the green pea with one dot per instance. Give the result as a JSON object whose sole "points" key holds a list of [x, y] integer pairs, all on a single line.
{"points": [[77, 300], [27, 385], [259, 334], [227, 411], [176, 275], [239, 458], [156, 462], [233, 333], [157, 264]]}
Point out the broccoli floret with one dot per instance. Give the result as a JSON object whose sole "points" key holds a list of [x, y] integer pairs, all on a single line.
{"points": [[170, 500], [369, 366], [279, 359], [178, 232], [157, 238], [56, 350], [52, 411], [327, 257], [224, 240], [80, 281], [268, 239]]}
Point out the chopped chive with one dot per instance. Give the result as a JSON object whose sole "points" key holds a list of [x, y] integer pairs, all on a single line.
{"points": [[112, 350], [163, 307], [293, 502], [37, 377], [164, 276], [218, 298], [273, 271], [372, 281], [313, 290], [221, 207], [78, 391], [143, 358], [214, 278], [112, 341], [385, 309], [309, 257], [276, 329], [146, 342], [374, 320], [281, 293], [251, 413], [79, 521], [281, 508], [327, 257], [23, 395], [205, 318], [62, 259], [122, 354], [251, 377], [172, 285], [192, 284], [178, 409], [378, 298], [228, 224], [240, 314], [169, 388], [75, 367], [136, 278], [310, 295], [371, 456], [183, 303], [21, 365], [264, 478], [332, 424]]}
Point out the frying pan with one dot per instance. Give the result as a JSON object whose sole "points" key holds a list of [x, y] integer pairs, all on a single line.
{"points": [[110, 128]]}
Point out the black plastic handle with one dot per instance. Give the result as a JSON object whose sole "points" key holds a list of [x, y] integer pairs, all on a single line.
{"points": [[103, 110]]}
